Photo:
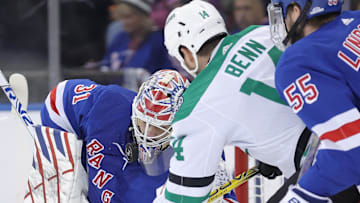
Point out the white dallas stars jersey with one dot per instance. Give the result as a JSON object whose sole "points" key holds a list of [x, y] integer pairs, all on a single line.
{"points": [[233, 101]]}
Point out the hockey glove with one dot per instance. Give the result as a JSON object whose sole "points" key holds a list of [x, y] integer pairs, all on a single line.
{"points": [[269, 171], [296, 194]]}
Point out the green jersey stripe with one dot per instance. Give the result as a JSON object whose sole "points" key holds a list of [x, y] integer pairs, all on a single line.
{"points": [[261, 89], [182, 198], [275, 54], [197, 88]]}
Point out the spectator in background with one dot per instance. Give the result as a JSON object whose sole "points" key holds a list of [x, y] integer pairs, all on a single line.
{"points": [[355, 5], [138, 45], [161, 9], [112, 29], [159, 12], [246, 13], [83, 25], [115, 25]]}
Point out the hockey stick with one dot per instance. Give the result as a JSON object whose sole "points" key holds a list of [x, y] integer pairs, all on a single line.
{"points": [[22, 113], [230, 185], [71, 176], [309, 154], [19, 85]]}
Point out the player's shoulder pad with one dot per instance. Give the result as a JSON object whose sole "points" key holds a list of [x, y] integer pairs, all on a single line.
{"points": [[291, 64], [247, 31], [293, 57], [74, 82], [116, 92]]}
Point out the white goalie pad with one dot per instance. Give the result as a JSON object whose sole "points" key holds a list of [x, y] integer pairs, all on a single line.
{"points": [[57, 174]]}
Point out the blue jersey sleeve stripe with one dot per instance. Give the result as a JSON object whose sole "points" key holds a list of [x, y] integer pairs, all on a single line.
{"points": [[46, 120], [33, 164], [42, 142], [58, 142]]}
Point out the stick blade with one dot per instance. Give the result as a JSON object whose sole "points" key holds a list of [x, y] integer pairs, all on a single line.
{"points": [[19, 84]]}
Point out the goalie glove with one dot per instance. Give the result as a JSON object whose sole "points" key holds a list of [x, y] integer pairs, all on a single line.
{"points": [[296, 194], [57, 174]]}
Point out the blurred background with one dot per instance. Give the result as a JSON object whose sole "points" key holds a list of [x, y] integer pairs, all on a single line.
{"points": [[108, 41]]}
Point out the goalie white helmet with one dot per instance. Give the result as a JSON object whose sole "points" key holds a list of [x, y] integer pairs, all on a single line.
{"points": [[191, 26]]}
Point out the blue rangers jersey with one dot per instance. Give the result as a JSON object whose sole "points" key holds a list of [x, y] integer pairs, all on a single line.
{"points": [[150, 55], [319, 78], [100, 115]]}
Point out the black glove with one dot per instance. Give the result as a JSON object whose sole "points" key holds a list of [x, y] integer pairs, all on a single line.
{"points": [[269, 171]]}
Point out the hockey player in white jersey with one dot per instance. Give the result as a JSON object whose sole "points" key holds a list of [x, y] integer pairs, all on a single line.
{"points": [[232, 101]]}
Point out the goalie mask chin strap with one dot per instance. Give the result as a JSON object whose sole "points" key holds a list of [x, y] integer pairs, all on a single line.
{"points": [[296, 31], [131, 149], [125, 158]]}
